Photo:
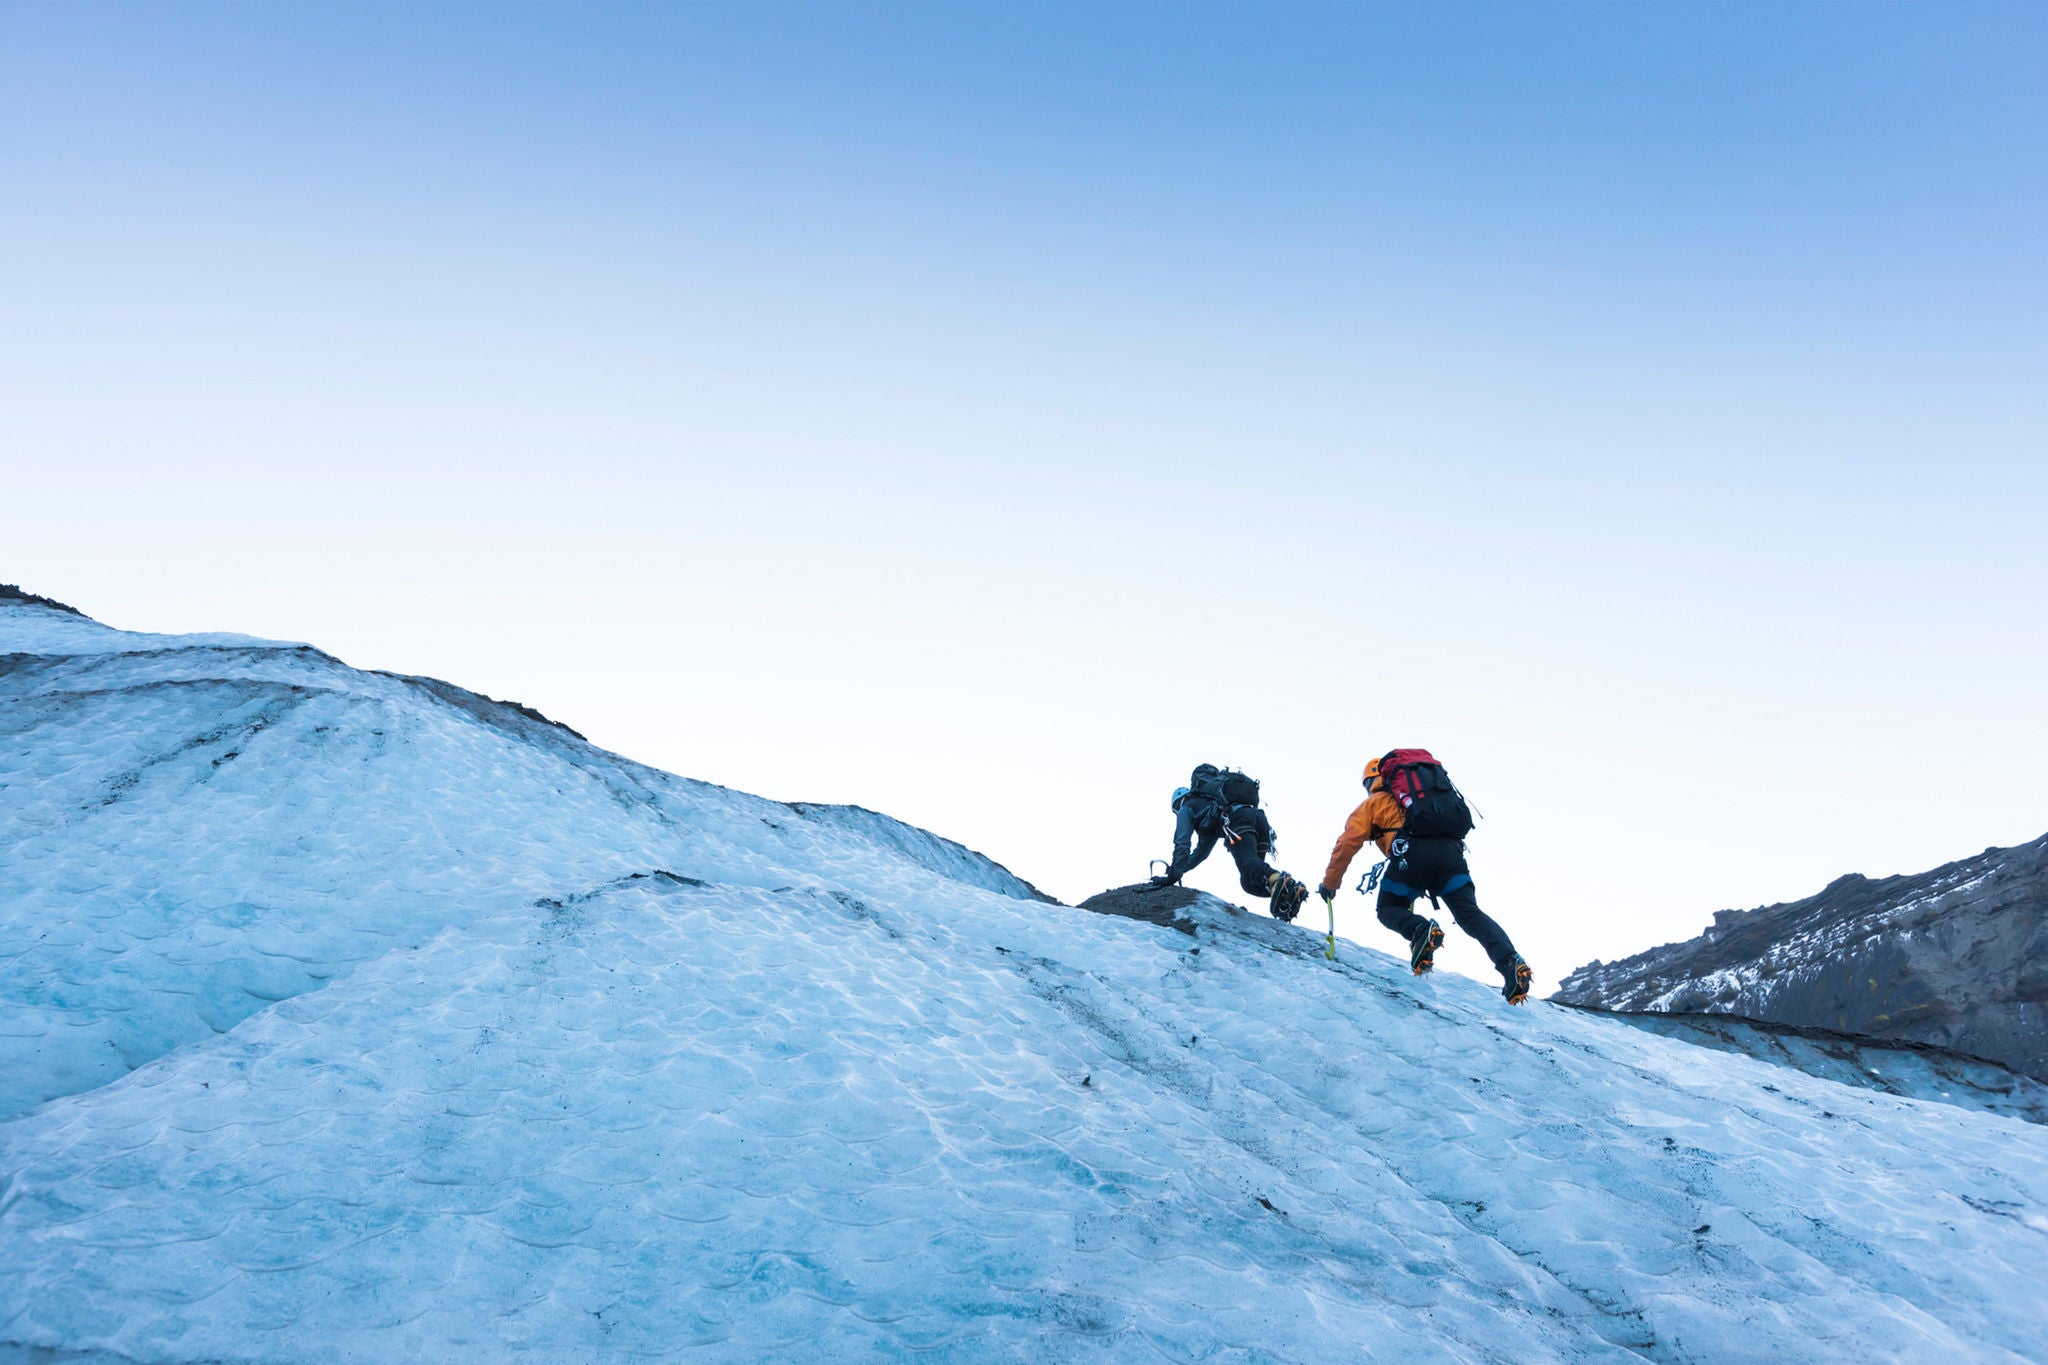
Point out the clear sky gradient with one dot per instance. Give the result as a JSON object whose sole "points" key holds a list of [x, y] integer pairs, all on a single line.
{"points": [[985, 413]]}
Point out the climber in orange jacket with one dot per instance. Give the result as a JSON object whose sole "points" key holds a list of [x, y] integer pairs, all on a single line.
{"points": [[1424, 842]]}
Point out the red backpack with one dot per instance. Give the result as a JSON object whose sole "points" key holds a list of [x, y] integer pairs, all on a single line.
{"points": [[1434, 808]]}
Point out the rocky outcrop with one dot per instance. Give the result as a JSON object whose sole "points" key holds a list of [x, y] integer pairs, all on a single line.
{"points": [[9, 592], [1153, 904], [1956, 958]]}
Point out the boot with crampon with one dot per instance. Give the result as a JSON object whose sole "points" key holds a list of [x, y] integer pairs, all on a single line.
{"points": [[1422, 948], [1287, 894]]}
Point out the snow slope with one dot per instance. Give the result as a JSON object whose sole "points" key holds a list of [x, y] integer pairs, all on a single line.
{"points": [[201, 826], [1897, 1068], [455, 1038]]}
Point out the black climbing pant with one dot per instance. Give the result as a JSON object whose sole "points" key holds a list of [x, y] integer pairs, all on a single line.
{"points": [[1253, 872], [1436, 868], [1250, 839]]}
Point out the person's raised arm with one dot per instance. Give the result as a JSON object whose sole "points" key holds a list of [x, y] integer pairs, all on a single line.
{"points": [[1357, 830]]}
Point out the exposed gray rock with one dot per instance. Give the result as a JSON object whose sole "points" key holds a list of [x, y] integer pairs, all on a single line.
{"points": [[11, 593], [1205, 918], [1956, 958], [1152, 904]]}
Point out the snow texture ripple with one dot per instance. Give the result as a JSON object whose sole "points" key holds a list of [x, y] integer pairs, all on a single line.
{"points": [[346, 1017]]}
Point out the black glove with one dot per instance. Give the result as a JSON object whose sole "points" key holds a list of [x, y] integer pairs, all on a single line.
{"points": [[1326, 893], [1166, 879]]}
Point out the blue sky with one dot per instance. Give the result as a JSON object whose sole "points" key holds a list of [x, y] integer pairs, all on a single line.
{"points": [[984, 413]]}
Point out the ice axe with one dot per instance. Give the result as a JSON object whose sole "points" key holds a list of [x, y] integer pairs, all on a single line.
{"points": [[1366, 886]]}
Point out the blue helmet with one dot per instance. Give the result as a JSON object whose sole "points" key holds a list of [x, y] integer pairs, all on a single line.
{"points": [[1180, 794]]}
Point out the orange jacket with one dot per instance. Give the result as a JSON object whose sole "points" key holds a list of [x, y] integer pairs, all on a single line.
{"points": [[1376, 819]]}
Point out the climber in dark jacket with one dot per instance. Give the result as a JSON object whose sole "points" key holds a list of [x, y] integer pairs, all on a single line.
{"points": [[1203, 814]]}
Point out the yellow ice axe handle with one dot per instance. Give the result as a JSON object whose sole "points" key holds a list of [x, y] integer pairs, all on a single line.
{"points": [[1330, 949]]}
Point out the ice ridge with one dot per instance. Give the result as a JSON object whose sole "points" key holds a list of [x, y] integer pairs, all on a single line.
{"points": [[361, 1025]]}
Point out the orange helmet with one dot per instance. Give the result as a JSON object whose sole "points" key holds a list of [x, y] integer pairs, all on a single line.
{"points": [[1372, 771]]}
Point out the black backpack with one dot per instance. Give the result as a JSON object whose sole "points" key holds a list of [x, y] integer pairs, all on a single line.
{"points": [[1227, 787]]}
